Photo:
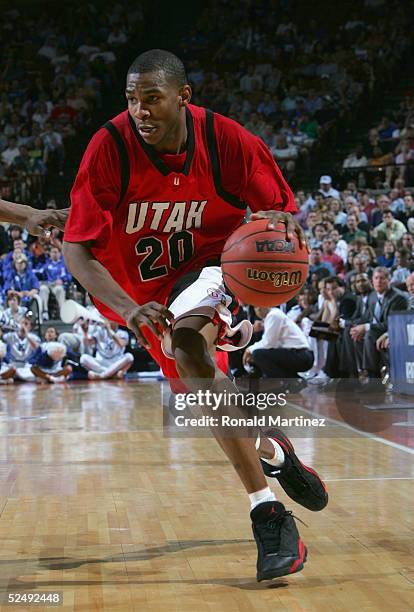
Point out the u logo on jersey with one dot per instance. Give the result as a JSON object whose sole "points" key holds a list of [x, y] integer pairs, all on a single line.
{"points": [[165, 217]]}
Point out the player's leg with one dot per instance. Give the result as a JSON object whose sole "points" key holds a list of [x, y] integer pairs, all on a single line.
{"points": [[280, 549]]}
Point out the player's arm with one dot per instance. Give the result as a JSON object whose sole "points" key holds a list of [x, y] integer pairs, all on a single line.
{"points": [[35, 221], [98, 281]]}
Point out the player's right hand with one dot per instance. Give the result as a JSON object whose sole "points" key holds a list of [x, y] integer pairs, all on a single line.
{"points": [[153, 315]]}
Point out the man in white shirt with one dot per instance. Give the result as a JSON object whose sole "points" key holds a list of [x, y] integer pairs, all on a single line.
{"points": [[326, 189], [283, 350]]}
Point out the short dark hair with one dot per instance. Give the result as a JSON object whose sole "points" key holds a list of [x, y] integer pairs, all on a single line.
{"points": [[157, 60], [387, 211]]}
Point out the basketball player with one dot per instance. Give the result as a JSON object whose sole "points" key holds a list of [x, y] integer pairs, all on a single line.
{"points": [[35, 221], [159, 190]]}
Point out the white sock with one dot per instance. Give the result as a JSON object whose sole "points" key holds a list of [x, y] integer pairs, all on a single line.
{"points": [[258, 497], [279, 457]]}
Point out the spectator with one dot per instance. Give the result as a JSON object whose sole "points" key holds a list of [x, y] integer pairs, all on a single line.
{"points": [[317, 263], [11, 152], [285, 155], [283, 350], [356, 159], [387, 259], [401, 268], [57, 279], [110, 359], [360, 352], [47, 363], [390, 228], [21, 346], [13, 315], [23, 282], [352, 230], [329, 255], [326, 189]]}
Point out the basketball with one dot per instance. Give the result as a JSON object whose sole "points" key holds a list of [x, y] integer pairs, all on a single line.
{"points": [[261, 267]]}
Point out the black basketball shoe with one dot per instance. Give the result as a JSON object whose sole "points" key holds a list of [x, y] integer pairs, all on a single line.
{"points": [[280, 551], [299, 481]]}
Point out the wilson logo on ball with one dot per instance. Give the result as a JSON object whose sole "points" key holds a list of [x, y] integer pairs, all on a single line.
{"points": [[278, 279], [272, 246]]}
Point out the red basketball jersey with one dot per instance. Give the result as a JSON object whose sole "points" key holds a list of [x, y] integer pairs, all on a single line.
{"points": [[153, 218]]}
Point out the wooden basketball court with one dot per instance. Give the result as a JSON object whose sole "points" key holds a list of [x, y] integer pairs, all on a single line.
{"points": [[97, 503]]}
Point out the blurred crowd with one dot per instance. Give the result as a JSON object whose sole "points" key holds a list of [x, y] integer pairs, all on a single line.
{"points": [[55, 64], [361, 270], [388, 152], [290, 71]]}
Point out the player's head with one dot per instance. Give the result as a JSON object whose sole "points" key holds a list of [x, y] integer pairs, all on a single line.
{"points": [[157, 92]]}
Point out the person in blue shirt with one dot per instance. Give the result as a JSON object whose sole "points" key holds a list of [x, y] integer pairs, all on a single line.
{"points": [[57, 279], [19, 247], [47, 363], [22, 281], [387, 259]]}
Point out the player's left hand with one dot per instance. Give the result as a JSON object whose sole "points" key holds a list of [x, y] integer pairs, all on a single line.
{"points": [[37, 221], [275, 217]]}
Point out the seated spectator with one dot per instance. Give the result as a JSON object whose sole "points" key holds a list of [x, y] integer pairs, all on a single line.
{"points": [[356, 159], [407, 211], [382, 203], [401, 269], [326, 189], [341, 247], [387, 259], [352, 230], [21, 346], [359, 266], [328, 315], [390, 228], [329, 255], [283, 350], [110, 359], [410, 288], [57, 279], [13, 315], [11, 152], [335, 207], [7, 372], [316, 262], [407, 241], [317, 235], [47, 363], [360, 352], [23, 282], [285, 154], [404, 156], [309, 127]]}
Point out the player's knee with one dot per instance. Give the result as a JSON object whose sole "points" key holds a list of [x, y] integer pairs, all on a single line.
{"points": [[191, 353], [129, 357]]}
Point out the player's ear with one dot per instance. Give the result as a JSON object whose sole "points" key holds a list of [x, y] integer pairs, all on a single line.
{"points": [[184, 95]]}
